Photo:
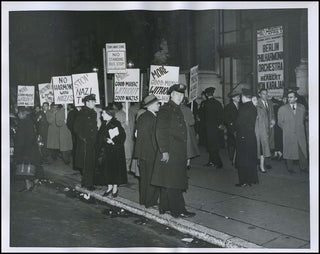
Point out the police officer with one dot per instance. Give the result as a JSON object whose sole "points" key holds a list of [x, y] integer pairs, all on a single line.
{"points": [[170, 171], [85, 127]]}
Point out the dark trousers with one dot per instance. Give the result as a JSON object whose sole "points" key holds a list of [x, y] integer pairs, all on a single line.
{"points": [[66, 156], [88, 170], [231, 143], [149, 194], [172, 200], [303, 162]]}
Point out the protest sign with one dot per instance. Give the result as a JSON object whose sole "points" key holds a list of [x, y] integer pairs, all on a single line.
{"points": [[116, 57], [161, 78], [25, 96], [83, 85], [270, 68], [127, 86], [62, 89], [194, 83], [46, 93]]}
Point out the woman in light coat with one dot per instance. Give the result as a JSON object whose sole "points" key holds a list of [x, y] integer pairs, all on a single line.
{"points": [[65, 137], [53, 131]]}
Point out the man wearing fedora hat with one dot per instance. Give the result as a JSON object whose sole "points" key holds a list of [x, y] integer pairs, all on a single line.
{"points": [[230, 116], [170, 168], [145, 150], [85, 127]]}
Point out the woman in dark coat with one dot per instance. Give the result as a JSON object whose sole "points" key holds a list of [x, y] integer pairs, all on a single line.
{"points": [[246, 141], [111, 138], [26, 147]]}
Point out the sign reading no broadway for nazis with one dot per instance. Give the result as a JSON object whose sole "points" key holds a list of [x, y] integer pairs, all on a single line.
{"points": [[83, 85], [161, 78], [127, 86], [25, 96], [45, 93], [116, 57], [62, 89]]}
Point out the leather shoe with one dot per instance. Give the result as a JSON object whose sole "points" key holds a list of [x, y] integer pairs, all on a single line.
{"points": [[210, 164], [115, 194], [107, 193], [162, 211], [187, 214], [262, 171], [241, 185]]}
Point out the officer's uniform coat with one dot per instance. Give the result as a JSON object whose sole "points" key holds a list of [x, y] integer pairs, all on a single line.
{"points": [[171, 136], [85, 127]]}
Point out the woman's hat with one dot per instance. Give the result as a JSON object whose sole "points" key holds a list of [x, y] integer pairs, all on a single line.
{"points": [[151, 98]]}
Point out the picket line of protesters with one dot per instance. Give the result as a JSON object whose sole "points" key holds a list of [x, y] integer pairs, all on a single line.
{"points": [[157, 143]]}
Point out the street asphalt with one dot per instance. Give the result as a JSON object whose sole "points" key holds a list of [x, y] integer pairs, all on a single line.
{"points": [[274, 214]]}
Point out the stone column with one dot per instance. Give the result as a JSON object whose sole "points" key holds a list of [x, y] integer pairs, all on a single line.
{"points": [[302, 77]]}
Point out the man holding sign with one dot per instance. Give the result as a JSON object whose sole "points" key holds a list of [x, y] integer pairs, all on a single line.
{"points": [[85, 127]]}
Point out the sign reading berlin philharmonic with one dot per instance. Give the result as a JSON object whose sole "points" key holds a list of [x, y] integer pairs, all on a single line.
{"points": [[161, 78], [62, 89], [116, 57], [46, 93], [127, 86], [270, 66], [83, 85], [194, 83], [25, 96]]}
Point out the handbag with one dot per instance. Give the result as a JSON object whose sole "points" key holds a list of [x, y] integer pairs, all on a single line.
{"points": [[25, 169]]}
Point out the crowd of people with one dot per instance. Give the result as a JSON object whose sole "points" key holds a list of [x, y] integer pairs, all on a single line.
{"points": [[157, 143]]}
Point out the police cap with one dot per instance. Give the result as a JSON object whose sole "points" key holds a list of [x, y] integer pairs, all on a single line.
{"points": [[180, 88], [90, 97]]}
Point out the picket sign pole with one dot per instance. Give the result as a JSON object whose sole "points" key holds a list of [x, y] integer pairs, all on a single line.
{"points": [[191, 106], [127, 112], [65, 112]]}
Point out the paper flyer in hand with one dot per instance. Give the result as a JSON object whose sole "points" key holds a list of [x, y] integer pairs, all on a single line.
{"points": [[113, 132]]}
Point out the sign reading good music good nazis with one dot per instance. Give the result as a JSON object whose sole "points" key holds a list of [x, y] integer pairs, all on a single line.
{"points": [[46, 93], [270, 66], [161, 79], [127, 86], [25, 96], [194, 83], [83, 85], [116, 57], [62, 89]]}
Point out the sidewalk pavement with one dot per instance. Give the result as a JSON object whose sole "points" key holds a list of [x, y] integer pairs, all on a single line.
{"points": [[272, 214]]}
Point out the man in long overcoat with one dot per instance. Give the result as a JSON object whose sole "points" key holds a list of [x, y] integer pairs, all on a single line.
{"points": [[214, 120], [85, 127], [246, 158], [291, 119], [53, 131], [230, 116], [146, 149], [170, 169]]}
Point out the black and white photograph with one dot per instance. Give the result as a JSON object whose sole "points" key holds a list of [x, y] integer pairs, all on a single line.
{"points": [[159, 126]]}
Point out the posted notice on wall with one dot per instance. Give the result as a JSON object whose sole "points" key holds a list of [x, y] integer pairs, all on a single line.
{"points": [[161, 79], [194, 83], [25, 96], [127, 86], [62, 89], [270, 66], [46, 93], [83, 85], [116, 57]]}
